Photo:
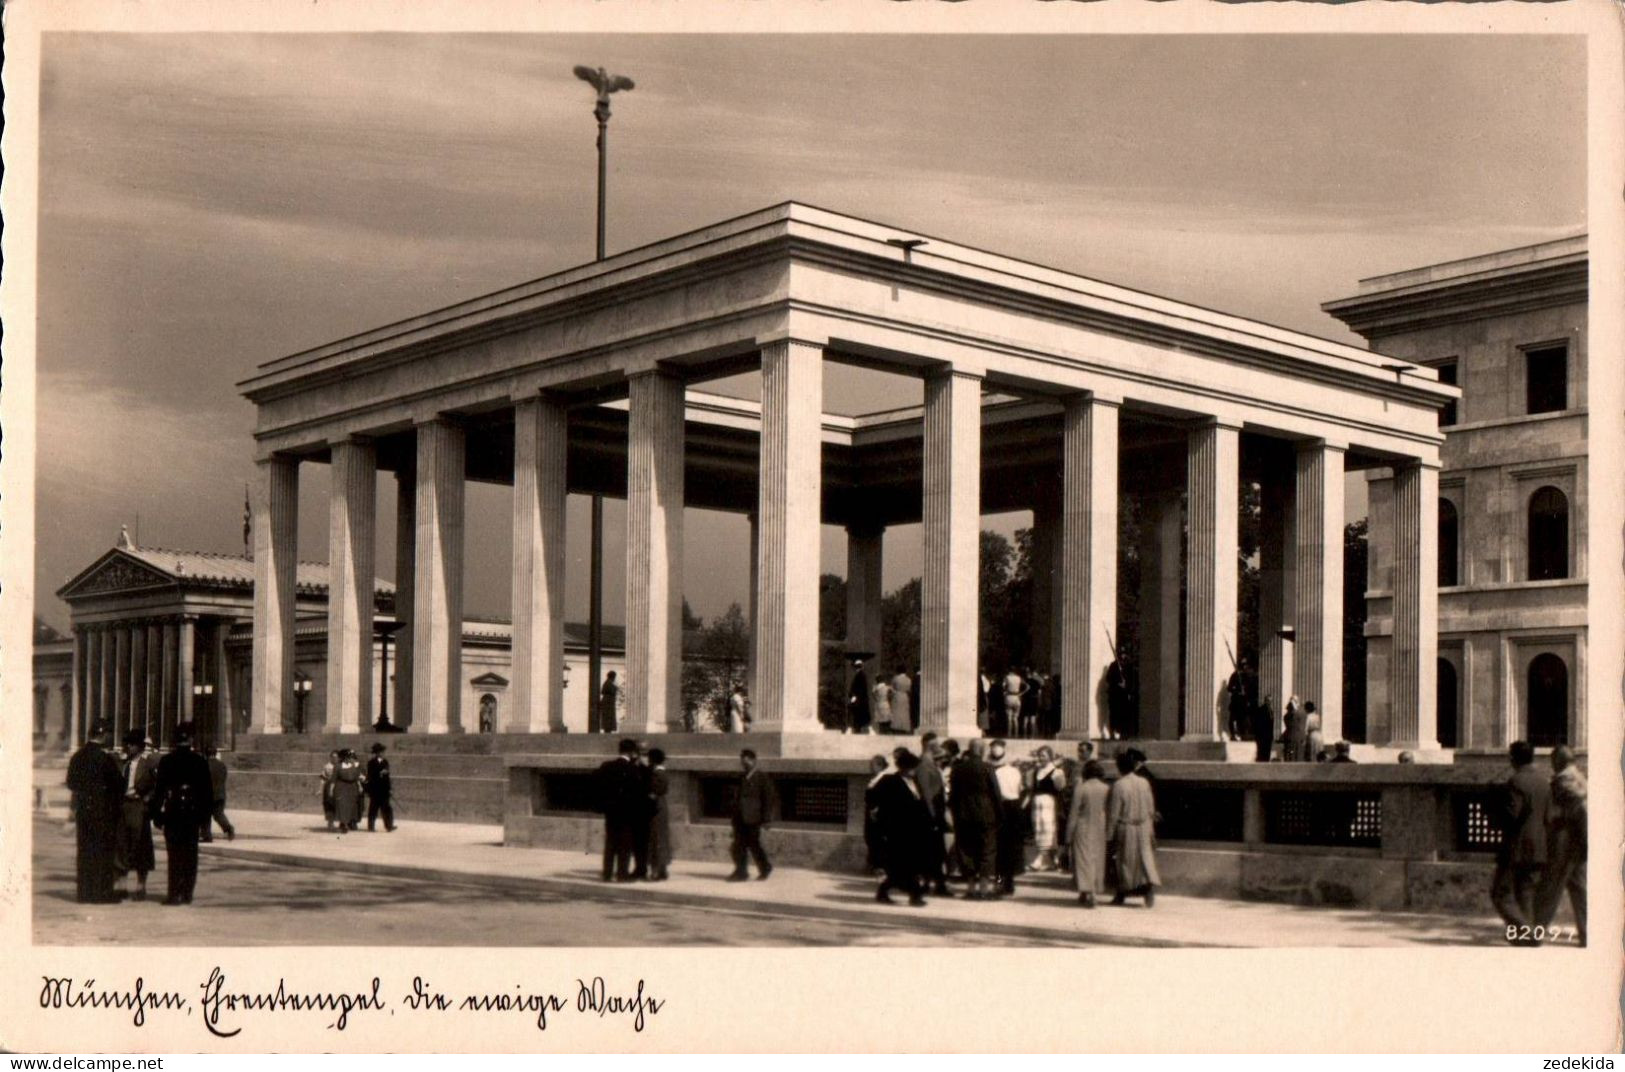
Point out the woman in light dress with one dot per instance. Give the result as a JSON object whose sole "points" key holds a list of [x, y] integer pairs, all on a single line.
{"points": [[1048, 781], [329, 773]]}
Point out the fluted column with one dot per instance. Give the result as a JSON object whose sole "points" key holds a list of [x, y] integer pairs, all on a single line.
{"points": [[1213, 490], [351, 539], [153, 723], [138, 676], [1089, 561], [864, 559], [406, 543], [171, 675], [1317, 664], [276, 528], [77, 723], [1277, 595], [224, 721], [754, 554], [437, 604], [1416, 607], [104, 677], [654, 554], [185, 659], [121, 677], [541, 441], [1161, 534], [949, 592]]}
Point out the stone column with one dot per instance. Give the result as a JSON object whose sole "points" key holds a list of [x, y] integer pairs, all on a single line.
{"points": [[789, 499], [863, 588], [138, 675], [754, 555], [1416, 607], [351, 540], [93, 676], [1049, 587], [1277, 596], [1089, 562], [437, 602], [949, 592], [1317, 664], [541, 441], [276, 534], [406, 542], [104, 678], [185, 657], [171, 675], [154, 721], [654, 555], [1213, 490], [224, 723], [77, 723], [121, 677]]}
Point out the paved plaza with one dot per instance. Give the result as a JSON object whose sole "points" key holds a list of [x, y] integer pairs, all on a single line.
{"points": [[286, 881]]}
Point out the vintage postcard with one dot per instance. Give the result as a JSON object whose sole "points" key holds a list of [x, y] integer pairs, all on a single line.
{"points": [[851, 527]]}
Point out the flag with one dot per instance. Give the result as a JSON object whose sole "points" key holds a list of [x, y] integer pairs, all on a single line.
{"points": [[248, 525]]}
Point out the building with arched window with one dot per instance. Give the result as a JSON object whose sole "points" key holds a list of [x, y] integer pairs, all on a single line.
{"points": [[1509, 329]]}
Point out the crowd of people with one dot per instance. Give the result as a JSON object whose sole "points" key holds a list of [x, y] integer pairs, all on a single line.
{"points": [[951, 814], [1543, 848], [117, 801]]}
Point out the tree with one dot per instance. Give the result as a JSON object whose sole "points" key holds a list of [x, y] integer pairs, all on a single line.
{"points": [[832, 670], [715, 662]]}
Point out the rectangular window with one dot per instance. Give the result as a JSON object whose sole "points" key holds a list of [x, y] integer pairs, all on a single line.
{"points": [[1447, 374], [1546, 376]]}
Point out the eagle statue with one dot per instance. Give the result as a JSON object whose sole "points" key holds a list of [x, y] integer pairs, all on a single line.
{"points": [[604, 82]]}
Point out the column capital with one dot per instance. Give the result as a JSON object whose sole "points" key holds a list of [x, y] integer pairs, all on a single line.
{"points": [[1224, 422], [772, 337], [1304, 446], [1097, 398], [953, 372]]}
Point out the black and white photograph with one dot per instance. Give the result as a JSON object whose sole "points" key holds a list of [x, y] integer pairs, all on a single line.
{"points": [[724, 493]]}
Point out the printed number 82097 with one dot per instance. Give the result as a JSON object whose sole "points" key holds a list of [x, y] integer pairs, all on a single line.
{"points": [[1526, 933]]}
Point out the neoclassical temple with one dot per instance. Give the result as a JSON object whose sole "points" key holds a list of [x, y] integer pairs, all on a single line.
{"points": [[1043, 390]]}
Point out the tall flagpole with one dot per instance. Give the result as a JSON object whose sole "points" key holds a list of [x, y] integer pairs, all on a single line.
{"points": [[605, 84]]}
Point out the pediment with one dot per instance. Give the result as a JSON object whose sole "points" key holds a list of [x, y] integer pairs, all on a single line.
{"points": [[490, 681], [116, 572]]}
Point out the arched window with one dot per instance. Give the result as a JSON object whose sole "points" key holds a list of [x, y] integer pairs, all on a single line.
{"points": [[1547, 701], [1449, 706], [1449, 545], [1548, 535]]}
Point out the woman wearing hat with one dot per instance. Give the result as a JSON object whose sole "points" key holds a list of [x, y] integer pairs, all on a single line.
{"points": [[330, 771], [347, 791], [1086, 832]]}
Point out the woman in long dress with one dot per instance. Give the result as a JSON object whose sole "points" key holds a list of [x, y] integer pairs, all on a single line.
{"points": [[1130, 813], [1047, 784], [659, 817], [329, 773], [347, 791], [1086, 832]]}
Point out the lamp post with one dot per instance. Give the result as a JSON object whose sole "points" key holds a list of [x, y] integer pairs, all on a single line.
{"points": [[605, 84], [301, 690], [385, 631], [202, 695]]}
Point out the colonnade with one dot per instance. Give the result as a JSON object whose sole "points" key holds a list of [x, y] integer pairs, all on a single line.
{"points": [[1301, 562], [143, 673]]}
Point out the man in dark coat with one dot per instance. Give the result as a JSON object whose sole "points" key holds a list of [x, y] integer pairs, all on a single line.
{"points": [[217, 779], [933, 790], [378, 791], [857, 700], [906, 829], [97, 784], [182, 802], [1243, 690], [1264, 730], [753, 810], [641, 815], [620, 794], [1525, 803], [973, 797], [609, 696]]}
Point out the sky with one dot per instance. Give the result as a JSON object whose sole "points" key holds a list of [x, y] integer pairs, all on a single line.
{"points": [[210, 202]]}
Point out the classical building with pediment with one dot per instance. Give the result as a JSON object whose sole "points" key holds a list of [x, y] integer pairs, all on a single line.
{"points": [[162, 636]]}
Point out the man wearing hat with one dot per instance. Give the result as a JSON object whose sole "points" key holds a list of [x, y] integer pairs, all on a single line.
{"points": [[183, 803], [377, 787], [97, 784]]}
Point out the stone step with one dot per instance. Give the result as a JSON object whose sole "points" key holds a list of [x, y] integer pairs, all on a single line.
{"points": [[455, 765], [423, 799]]}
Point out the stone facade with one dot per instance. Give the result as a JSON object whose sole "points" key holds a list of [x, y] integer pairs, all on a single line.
{"points": [[1511, 327]]}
